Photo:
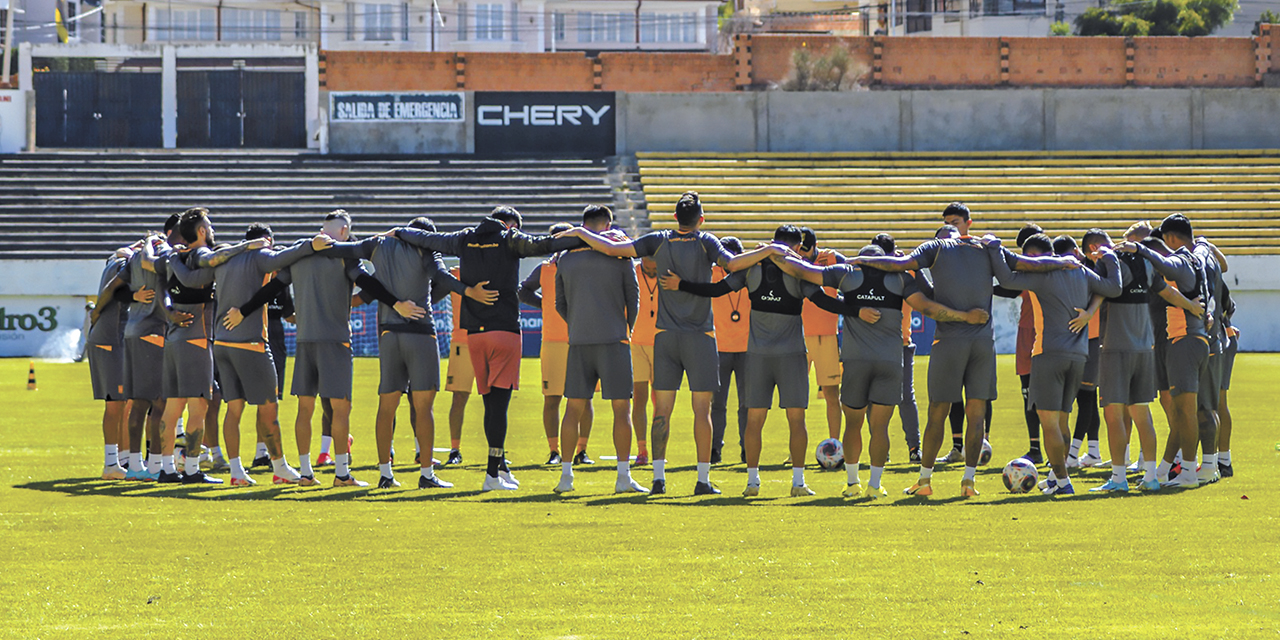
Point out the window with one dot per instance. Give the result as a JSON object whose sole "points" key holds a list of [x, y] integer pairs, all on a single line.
{"points": [[184, 25], [71, 24], [489, 22], [515, 22], [300, 25], [462, 21], [351, 21], [607, 27], [669, 27], [379, 22], [558, 25], [250, 24], [404, 21]]}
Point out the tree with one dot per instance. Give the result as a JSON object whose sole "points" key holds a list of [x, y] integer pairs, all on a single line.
{"points": [[1157, 18], [1268, 17], [833, 71]]}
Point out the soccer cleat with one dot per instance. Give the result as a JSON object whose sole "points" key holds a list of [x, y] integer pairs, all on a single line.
{"points": [[914, 455], [1056, 488], [1136, 467], [554, 458], [169, 478], [433, 483], [1112, 485], [455, 457], [288, 476], [565, 485], [385, 482], [199, 478], [641, 460], [1150, 485], [629, 486], [114, 472], [307, 481], [243, 482], [348, 481], [798, 491], [1203, 478], [496, 484], [705, 489], [715, 456], [1073, 462], [261, 461], [1043, 484], [147, 476], [219, 463], [1090, 461], [508, 478], [1176, 470], [877, 492], [1180, 482], [852, 491], [1226, 470], [659, 487], [582, 458], [1034, 456], [751, 491], [324, 460], [967, 489], [920, 488], [955, 455], [786, 462]]}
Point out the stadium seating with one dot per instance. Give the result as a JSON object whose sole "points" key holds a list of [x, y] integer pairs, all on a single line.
{"points": [[84, 205], [849, 197]]}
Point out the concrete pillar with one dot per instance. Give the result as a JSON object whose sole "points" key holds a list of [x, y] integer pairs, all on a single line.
{"points": [[906, 126], [622, 103], [169, 96], [311, 78], [24, 67]]}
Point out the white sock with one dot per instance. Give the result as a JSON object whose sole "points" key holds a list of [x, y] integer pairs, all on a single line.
{"points": [[659, 469], [797, 476], [753, 477], [624, 469], [1142, 460], [111, 453], [1162, 470], [1117, 472], [566, 467], [1209, 463], [191, 466], [261, 450], [278, 465], [385, 470], [166, 464], [325, 443], [217, 452], [704, 472], [1224, 457], [237, 469], [1177, 457], [1053, 477], [876, 472], [1075, 448], [181, 432], [926, 473], [1126, 454], [851, 470], [1093, 449], [135, 461], [428, 471], [153, 463], [1148, 471], [341, 464], [970, 473], [304, 465]]}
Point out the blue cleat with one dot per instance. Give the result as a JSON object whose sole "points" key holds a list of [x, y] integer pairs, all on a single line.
{"points": [[1112, 485], [1055, 488], [1150, 485]]}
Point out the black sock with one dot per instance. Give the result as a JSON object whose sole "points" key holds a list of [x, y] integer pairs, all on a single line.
{"points": [[1086, 415], [986, 425], [1033, 418], [957, 425], [495, 426]]}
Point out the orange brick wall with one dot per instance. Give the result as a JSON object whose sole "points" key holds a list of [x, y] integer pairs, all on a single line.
{"points": [[1199, 62], [941, 62], [389, 71], [1066, 62], [678, 72], [529, 72]]}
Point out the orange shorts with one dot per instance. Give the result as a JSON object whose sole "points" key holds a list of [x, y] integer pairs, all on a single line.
{"points": [[495, 357]]}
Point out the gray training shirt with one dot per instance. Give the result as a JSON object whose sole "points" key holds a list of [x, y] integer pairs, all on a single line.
{"points": [[147, 318], [109, 329], [408, 272], [1186, 273], [239, 278], [1125, 321], [690, 256], [322, 296], [598, 296], [773, 334], [1055, 296], [961, 271], [883, 339]]}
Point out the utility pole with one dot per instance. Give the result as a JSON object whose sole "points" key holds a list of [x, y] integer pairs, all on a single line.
{"points": [[8, 39]]}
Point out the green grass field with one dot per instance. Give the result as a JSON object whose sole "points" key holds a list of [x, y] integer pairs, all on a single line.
{"points": [[86, 558]]}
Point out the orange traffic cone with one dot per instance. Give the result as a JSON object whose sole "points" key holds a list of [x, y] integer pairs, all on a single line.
{"points": [[31, 375]]}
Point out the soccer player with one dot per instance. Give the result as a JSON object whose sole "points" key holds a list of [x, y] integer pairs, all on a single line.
{"points": [[1211, 382], [732, 314], [598, 297], [820, 334], [408, 353], [642, 336], [554, 355], [105, 345], [1186, 350], [460, 377], [963, 358], [1088, 421], [908, 412], [1059, 355], [871, 353], [1228, 363], [685, 342], [244, 364], [1022, 350], [491, 252], [775, 352]]}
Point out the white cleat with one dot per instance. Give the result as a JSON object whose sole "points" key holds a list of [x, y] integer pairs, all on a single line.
{"points": [[1090, 461], [510, 479], [1207, 478], [1136, 467], [496, 484], [751, 491], [113, 472], [629, 486], [288, 475], [1182, 480], [1073, 462], [565, 485], [800, 491]]}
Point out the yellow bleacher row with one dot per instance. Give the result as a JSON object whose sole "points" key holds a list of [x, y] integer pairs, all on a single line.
{"points": [[1231, 196]]}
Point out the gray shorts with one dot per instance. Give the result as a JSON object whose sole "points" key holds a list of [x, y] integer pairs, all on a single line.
{"points": [[1229, 361], [322, 369], [1092, 364], [789, 374], [1128, 377], [106, 370], [1184, 363], [246, 371], [1055, 381], [1210, 383], [871, 382], [1160, 353], [608, 364], [960, 367], [188, 370], [676, 353], [408, 360], [144, 369]]}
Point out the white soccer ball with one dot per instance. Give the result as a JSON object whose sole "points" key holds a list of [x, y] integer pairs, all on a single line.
{"points": [[830, 454], [1020, 475], [985, 455]]}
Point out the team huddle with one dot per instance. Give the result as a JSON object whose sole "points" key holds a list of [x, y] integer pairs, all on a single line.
{"points": [[183, 325]]}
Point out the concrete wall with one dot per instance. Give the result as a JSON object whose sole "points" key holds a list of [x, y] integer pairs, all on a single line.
{"points": [[401, 137]]}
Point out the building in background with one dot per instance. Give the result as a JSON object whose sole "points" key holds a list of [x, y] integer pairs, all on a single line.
{"points": [[33, 21]]}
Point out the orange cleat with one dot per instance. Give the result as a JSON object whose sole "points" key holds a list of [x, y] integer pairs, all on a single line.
{"points": [[967, 490], [920, 488]]}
